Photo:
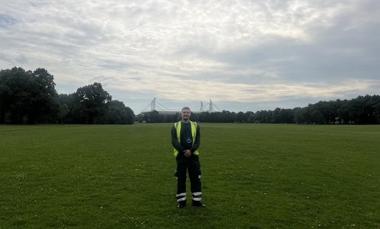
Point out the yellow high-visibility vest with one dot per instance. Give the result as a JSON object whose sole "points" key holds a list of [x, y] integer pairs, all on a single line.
{"points": [[177, 126]]}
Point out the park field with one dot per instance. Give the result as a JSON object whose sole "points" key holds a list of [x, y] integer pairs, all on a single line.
{"points": [[254, 176]]}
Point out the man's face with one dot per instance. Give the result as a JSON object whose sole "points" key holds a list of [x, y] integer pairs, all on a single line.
{"points": [[185, 114]]}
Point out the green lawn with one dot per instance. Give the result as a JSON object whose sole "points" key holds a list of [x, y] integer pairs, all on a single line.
{"points": [[254, 176]]}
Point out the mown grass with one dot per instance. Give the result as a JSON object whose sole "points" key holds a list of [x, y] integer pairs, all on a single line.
{"points": [[254, 176]]}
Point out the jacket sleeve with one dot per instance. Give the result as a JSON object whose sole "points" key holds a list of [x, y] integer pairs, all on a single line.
{"points": [[175, 141], [197, 141]]}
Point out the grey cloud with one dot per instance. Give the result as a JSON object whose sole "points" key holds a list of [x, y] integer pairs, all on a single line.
{"points": [[107, 64], [6, 20], [336, 54], [137, 48]]}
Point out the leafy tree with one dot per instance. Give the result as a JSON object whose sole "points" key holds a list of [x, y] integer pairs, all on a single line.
{"points": [[91, 101], [27, 97], [118, 113]]}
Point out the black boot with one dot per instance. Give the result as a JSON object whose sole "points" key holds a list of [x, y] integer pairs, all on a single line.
{"points": [[198, 204], [181, 204]]}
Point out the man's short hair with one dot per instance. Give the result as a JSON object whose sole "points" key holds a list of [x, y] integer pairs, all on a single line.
{"points": [[185, 108]]}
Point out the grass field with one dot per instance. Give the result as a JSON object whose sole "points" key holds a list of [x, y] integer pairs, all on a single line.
{"points": [[254, 176]]}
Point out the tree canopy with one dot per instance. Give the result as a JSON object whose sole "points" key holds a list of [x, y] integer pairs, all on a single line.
{"points": [[360, 110], [28, 97], [31, 97]]}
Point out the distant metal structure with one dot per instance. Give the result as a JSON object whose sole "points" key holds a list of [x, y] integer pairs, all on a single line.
{"points": [[153, 104], [156, 106], [210, 106]]}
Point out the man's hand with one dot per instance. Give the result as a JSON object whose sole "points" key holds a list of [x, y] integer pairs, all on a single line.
{"points": [[187, 153]]}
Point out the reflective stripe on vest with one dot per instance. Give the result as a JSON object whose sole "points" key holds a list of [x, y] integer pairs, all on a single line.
{"points": [[193, 128]]}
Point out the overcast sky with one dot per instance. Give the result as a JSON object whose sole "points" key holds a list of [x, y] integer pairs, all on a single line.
{"points": [[244, 55]]}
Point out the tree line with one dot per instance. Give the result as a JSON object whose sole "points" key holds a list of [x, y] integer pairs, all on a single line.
{"points": [[30, 97], [360, 110]]}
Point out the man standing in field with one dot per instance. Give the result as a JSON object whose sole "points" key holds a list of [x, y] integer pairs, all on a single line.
{"points": [[186, 141]]}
